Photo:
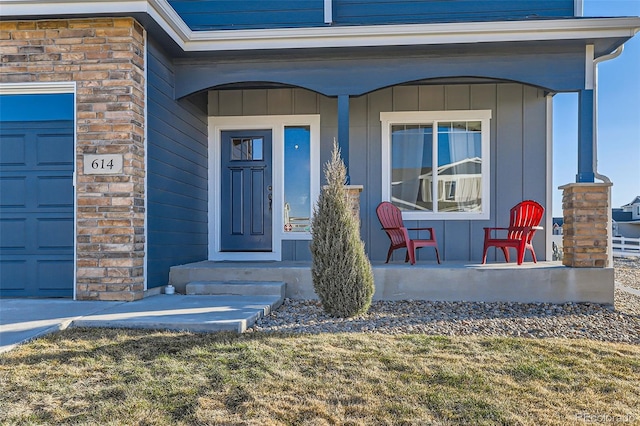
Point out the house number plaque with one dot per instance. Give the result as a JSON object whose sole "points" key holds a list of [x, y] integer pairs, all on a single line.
{"points": [[107, 164]]}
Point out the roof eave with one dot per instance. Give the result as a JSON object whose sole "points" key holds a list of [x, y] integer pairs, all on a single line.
{"points": [[323, 37]]}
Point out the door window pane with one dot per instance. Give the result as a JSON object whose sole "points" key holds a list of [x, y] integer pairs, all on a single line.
{"points": [[297, 179], [246, 149]]}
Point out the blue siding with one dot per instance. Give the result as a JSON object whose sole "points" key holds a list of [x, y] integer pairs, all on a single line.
{"points": [[370, 12], [297, 251], [233, 14], [226, 15], [177, 173]]}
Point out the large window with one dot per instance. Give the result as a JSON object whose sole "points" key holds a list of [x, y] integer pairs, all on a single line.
{"points": [[436, 164]]}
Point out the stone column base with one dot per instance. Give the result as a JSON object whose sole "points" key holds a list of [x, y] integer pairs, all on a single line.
{"points": [[353, 198], [586, 229]]}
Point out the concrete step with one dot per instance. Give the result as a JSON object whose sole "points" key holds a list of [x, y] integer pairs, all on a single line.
{"points": [[297, 275], [197, 313], [237, 288]]}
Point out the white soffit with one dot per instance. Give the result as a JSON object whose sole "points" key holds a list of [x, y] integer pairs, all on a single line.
{"points": [[348, 36]]}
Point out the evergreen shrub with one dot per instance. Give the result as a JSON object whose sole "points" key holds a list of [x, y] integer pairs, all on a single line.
{"points": [[341, 271]]}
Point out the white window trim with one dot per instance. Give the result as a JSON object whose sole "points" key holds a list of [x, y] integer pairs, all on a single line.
{"points": [[424, 117], [38, 88], [275, 123], [145, 265], [550, 189]]}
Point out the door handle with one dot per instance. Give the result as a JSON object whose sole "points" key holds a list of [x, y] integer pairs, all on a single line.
{"points": [[270, 196]]}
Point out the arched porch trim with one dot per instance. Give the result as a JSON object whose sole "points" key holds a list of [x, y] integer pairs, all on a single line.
{"points": [[355, 76]]}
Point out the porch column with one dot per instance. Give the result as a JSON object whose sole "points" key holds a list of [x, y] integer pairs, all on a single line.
{"points": [[585, 136], [343, 130], [586, 241], [586, 205]]}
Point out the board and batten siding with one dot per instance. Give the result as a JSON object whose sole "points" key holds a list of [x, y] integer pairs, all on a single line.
{"points": [[177, 173], [518, 152], [264, 14], [518, 158]]}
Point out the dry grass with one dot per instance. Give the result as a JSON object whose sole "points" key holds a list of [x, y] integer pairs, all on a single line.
{"points": [[99, 376]]}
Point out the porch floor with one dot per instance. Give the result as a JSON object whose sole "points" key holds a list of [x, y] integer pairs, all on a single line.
{"points": [[547, 282]]}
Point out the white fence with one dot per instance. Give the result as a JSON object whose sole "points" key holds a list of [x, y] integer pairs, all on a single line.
{"points": [[623, 246]]}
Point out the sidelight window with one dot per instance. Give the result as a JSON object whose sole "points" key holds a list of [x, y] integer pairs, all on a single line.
{"points": [[297, 179]]}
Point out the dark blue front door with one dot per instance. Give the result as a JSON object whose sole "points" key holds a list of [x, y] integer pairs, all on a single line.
{"points": [[246, 196]]}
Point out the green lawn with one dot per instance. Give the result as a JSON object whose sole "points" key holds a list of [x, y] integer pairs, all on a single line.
{"points": [[101, 376]]}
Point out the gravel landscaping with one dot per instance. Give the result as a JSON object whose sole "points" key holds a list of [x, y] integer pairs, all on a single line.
{"points": [[627, 270], [535, 320]]}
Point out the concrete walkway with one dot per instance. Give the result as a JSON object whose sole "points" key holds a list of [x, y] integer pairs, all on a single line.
{"points": [[629, 290], [24, 319]]}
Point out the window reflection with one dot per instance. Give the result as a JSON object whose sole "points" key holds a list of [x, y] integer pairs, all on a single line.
{"points": [[246, 149], [411, 165], [297, 179], [458, 169]]}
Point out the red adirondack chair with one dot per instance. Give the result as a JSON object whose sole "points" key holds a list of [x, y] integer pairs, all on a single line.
{"points": [[525, 220], [391, 219]]}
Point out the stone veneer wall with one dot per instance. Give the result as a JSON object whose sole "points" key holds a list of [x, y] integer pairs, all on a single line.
{"points": [[353, 198], [352, 193], [586, 209], [105, 57]]}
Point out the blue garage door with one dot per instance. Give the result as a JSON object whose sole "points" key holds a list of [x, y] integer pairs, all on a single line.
{"points": [[36, 195]]}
